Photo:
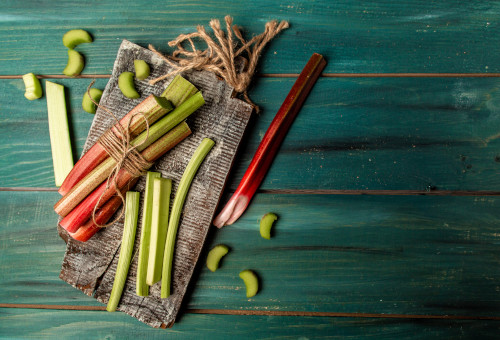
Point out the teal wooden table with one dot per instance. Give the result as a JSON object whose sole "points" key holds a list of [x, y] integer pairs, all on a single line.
{"points": [[387, 185]]}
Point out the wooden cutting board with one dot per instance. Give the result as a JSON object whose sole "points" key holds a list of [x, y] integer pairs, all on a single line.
{"points": [[90, 266]]}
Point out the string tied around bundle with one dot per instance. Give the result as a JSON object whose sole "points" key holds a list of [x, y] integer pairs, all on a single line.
{"points": [[116, 141]]}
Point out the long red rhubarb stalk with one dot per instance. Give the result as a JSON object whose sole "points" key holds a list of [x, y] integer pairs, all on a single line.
{"points": [[83, 211], [271, 142]]}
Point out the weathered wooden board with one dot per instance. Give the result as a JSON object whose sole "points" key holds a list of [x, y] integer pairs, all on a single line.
{"points": [[91, 266], [355, 36], [353, 134], [329, 253]]}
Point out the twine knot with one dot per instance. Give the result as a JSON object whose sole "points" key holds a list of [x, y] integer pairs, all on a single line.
{"points": [[233, 60]]}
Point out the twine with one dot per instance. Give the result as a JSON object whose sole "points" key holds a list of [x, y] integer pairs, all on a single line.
{"points": [[224, 58], [116, 142]]}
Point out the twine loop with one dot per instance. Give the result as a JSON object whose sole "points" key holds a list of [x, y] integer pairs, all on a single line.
{"points": [[234, 60], [116, 141]]}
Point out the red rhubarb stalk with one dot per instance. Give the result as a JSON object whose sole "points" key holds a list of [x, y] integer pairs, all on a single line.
{"points": [[271, 142], [152, 108], [83, 211], [103, 215]]}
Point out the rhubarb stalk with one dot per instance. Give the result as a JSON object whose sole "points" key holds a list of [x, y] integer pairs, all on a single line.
{"points": [[141, 287], [159, 227], [271, 142], [177, 92], [60, 143], [103, 215], [33, 87], [127, 246], [83, 211], [173, 223]]}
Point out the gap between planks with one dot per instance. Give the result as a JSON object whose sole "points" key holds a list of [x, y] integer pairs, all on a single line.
{"points": [[295, 75], [326, 192], [267, 312]]}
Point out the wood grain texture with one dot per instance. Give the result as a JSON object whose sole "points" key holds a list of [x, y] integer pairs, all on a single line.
{"points": [[391, 134], [379, 36], [383, 254], [329, 253], [26, 152], [102, 325], [91, 266], [352, 134], [32, 252], [414, 115]]}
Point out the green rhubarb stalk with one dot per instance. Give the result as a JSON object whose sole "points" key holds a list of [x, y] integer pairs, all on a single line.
{"points": [[85, 186], [127, 86], [215, 255], [127, 246], [179, 90], [165, 124], [159, 227], [173, 223], [141, 288], [88, 103], [265, 225], [60, 143], [251, 282], [76, 37]]}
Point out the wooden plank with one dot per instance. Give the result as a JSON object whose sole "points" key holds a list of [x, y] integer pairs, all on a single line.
{"points": [[352, 134], [394, 134], [380, 254], [26, 158], [50, 324], [32, 251], [91, 266], [379, 36], [366, 254]]}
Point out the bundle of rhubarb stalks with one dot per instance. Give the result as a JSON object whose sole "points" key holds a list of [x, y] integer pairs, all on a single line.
{"points": [[155, 126]]}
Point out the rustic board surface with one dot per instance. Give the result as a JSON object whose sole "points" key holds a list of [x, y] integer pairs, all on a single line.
{"points": [[91, 266]]}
